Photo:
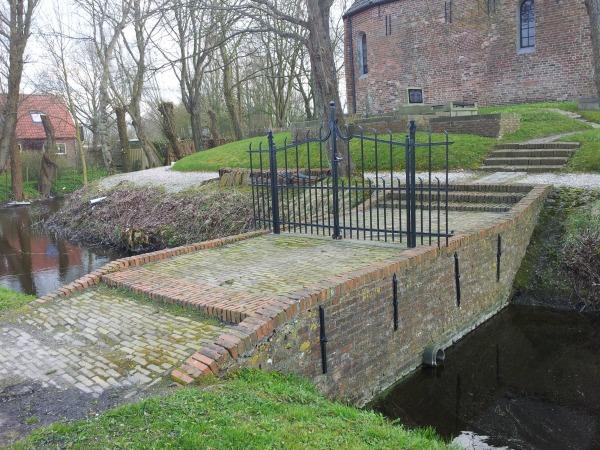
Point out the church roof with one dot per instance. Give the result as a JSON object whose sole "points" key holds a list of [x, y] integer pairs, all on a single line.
{"points": [[361, 5]]}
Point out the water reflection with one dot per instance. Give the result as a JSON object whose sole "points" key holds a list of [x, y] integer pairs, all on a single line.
{"points": [[527, 379], [37, 263]]}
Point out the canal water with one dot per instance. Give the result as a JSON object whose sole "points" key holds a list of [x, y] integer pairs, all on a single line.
{"points": [[36, 262], [527, 379]]}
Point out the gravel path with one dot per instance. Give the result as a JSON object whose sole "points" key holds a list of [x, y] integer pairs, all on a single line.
{"points": [[171, 180]]}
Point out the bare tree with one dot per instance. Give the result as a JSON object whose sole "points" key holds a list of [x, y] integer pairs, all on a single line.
{"points": [[316, 23], [192, 28], [59, 48], [15, 29], [107, 19], [282, 57], [133, 70]]}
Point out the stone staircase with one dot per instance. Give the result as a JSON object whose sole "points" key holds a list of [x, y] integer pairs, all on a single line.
{"points": [[546, 157], [469, 197]]}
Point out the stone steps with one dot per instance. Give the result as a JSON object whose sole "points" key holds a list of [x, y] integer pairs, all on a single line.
{"points": [[458, 206], [532, 153], [533, 146], [517, 157], [527, 161], [467, 197], [538, 169]]}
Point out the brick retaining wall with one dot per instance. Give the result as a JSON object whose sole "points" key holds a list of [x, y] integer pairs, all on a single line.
{"points": [[364, 353]]}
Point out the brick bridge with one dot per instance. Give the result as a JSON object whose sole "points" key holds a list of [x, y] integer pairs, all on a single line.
{"points": [[253, 300]]}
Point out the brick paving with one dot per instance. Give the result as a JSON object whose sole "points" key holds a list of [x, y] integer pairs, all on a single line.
{"points": [[268, 266], [97, 340]]}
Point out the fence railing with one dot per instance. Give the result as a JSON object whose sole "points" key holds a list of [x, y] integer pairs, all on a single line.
{"points": [[351, 185]]}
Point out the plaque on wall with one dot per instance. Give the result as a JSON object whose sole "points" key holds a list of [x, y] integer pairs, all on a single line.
{"points": [[415, 95]]}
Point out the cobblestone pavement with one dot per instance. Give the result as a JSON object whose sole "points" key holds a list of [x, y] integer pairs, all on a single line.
{"points": [[87, 346]]}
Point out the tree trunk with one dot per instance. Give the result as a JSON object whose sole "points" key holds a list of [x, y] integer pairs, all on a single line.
{"points": [[103, 140], [80, 149], [16, 172], [322, 63], [593, 9], [214, 129], [196, 123], [123, 138], [150, 152], [49, 167], [230, 102], [168, 125]]}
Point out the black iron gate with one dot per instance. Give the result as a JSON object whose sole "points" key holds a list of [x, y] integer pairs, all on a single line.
{"points": [[310, 185]]}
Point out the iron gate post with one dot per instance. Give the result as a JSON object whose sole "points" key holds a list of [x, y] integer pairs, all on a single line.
{"points": [[273, 176], [334, 171], [411, 187], [413, 176]]}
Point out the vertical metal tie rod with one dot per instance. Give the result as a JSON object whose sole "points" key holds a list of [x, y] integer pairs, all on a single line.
{"points": [[273, 176], [498, 256], [457, 279], [323, 339], [395, 300]]}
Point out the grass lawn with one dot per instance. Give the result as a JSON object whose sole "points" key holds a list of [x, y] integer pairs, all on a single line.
{"points": [[537, 121], [251, 410], [587, 158], [10, 299], [467, 152], [67, 181]]}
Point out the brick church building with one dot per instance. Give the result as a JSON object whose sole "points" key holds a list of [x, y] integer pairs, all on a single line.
{"points": [[399, 52]]}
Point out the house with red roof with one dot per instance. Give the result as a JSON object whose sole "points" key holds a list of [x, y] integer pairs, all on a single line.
{"points": [[30, 130]]}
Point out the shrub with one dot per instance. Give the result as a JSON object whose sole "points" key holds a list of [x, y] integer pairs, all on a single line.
{"points": [[581, 252]]}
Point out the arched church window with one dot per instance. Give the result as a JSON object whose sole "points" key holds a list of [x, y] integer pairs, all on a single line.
{"points": [[527, 24], [362, 54]]}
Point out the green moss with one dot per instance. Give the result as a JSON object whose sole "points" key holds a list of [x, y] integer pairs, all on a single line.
{"points": [[251, 410], [10, 299]]}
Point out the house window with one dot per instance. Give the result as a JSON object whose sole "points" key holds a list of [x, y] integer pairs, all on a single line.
{"points": [[36, 116], [527, 24], [61, 149], [415, 95], [448, 11], [388, 25], [362, 55]]}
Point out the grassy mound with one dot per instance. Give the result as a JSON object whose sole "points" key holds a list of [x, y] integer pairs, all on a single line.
{"points": [[251, 410], [587, 158], [467, 152]]}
